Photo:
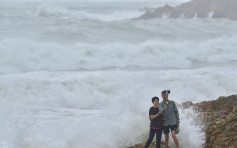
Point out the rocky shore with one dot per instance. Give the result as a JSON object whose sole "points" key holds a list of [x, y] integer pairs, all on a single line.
{"points": [[218, 118], [220, 121], [196, 8]]}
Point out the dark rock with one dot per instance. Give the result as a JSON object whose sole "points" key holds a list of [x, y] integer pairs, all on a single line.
{"points": [[197, 8], [187, 104]]}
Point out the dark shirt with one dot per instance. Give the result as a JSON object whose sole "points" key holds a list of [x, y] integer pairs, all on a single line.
{"points": [[158, 121]]}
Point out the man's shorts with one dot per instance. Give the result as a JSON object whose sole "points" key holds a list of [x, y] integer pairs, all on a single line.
{"points": [[168, 128]]}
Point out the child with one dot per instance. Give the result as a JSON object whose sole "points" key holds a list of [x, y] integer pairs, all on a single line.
{"points": [[156, 125]]}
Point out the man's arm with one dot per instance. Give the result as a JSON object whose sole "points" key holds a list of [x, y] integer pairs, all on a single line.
{"points": [[176, 114], [161, 108]]}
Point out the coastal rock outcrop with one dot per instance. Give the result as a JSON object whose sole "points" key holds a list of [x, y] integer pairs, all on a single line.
{"points": [[219, 120], [223, 131], [196, 8]]}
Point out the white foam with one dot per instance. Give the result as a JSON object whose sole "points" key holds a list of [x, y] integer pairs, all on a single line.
{"points": [[79, 15], [51, 57], [93, 1], [71, 108]]}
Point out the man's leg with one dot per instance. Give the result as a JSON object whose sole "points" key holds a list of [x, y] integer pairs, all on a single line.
{"points": [[166, 132], [151, 136], [175, 138], [167, 140]]}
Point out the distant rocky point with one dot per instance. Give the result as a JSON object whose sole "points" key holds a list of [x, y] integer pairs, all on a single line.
{"points": [[196, 9]]}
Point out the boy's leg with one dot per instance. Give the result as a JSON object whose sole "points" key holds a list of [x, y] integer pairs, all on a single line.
{"points": [[158, 137], [151, 136]]}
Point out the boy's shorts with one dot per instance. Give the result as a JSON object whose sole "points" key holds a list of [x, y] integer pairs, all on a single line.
{"points": [[168, 128]]}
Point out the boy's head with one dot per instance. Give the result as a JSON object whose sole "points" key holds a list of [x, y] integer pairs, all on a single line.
{"points": [[155, 100]]}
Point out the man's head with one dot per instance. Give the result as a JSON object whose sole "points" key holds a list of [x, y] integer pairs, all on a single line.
{"points": [[155, 100], [164, 94]]}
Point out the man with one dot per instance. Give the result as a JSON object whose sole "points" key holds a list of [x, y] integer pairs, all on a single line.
{"points": [[171, 115]]}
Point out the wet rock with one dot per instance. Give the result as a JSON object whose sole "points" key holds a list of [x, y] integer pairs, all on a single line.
{"points": [[219, 121], [222, 132], [187, 104]]}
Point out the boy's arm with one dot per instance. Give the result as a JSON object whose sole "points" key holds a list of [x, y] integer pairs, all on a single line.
{"points": [[154, 116]]}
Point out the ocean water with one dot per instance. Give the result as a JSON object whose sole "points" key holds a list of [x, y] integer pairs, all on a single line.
{"points": [[81, 74]]}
